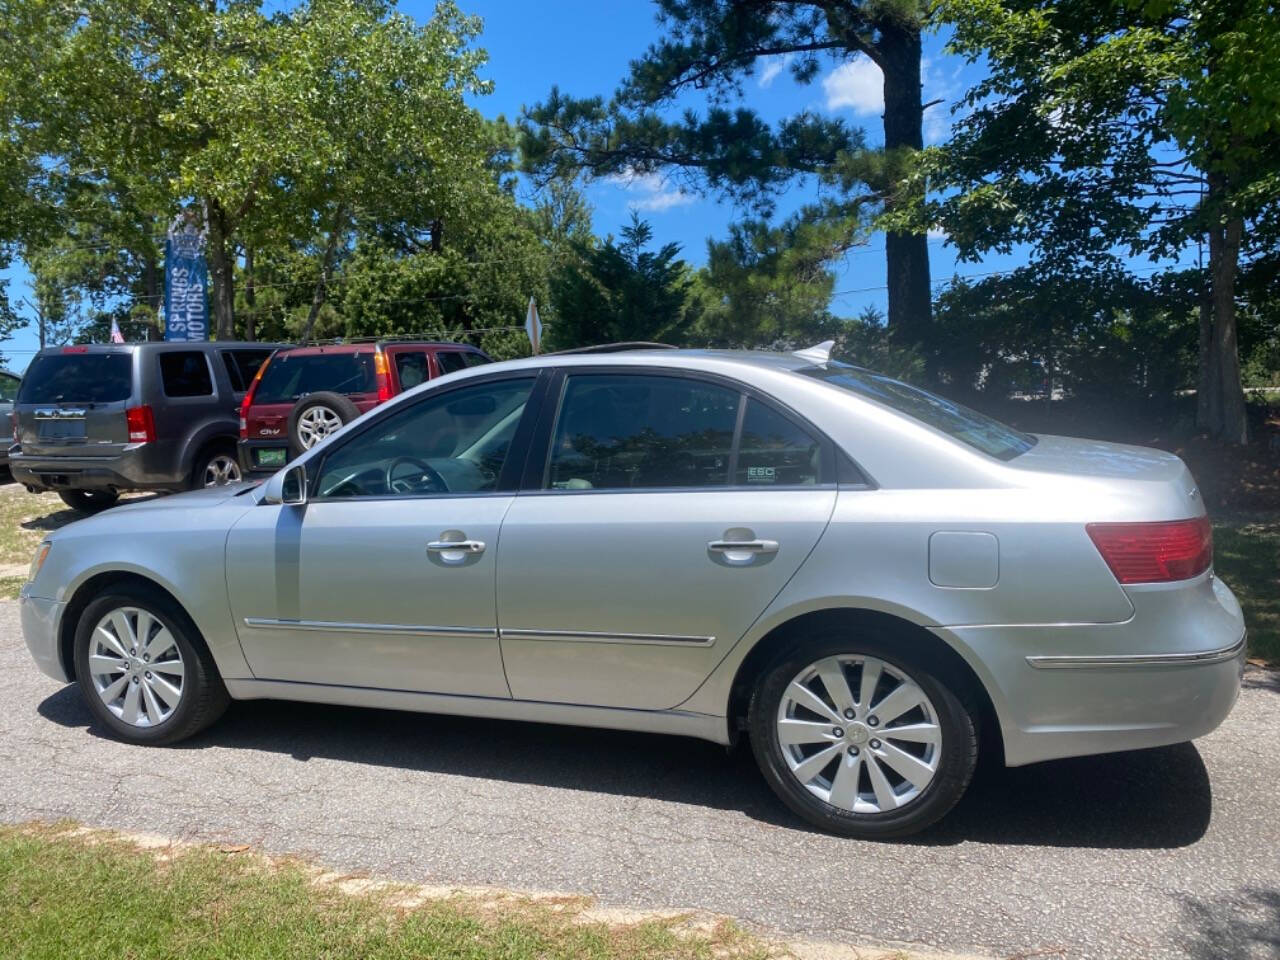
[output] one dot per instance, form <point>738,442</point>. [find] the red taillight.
<point>142,424</point>
<point>247,402</point>
<point>1155,552</point>
<point>383,372</point>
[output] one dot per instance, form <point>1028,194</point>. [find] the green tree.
<point>1106,124</point>
<point>280,127</point>
<point>621,290</point>
<point>710,46</point>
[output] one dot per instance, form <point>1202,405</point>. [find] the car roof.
<point>154,345</point>
<point>745,360</point>
<point>366,346</point>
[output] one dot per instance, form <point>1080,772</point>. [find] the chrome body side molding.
<point>1072,662</point>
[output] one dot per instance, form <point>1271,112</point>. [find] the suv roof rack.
<point>405,338</point>
<point>618,347</point>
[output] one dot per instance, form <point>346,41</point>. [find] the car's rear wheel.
<point>316,416</point>
<point>216,467</point>
<point>143,669</point>
<point>861,741</point>
<point>89,501</point>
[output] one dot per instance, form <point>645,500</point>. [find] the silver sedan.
<point>871,582</point>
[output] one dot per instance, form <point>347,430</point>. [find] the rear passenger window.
<point>242,366</point>
<point>774,452</point>
<point>411,368</point>
<point>623,432</point>
<point>475,359</point>
<point>185,374</point>
<point>450,361</point>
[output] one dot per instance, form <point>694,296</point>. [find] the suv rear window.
<point>78,378</point>
<point>291,375</point>
<point>242,365</point>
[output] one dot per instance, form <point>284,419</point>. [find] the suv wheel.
<point>316,416</point>
<point>89,501</point>
<point>216,468</point>
<point>859,740</point>
<point>143,669</point>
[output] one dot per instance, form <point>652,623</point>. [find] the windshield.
<point>290,375</point>
<point>78,378</point>
<point>968,426</point>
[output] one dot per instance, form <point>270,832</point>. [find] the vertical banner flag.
<point>533,327</point>
<point>116,335</point>
<point>186,281</point>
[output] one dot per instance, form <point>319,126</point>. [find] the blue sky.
<point>584,47</point>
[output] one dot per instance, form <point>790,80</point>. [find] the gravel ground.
<point>1162,853</point>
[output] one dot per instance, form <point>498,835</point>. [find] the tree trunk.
<point>906,254</point>
<point>1207,368</point>
<point>250,297</point>
<point>1231,422</point>
<point>221,271</point>
<point>326,265</point>
<point>153,292</point>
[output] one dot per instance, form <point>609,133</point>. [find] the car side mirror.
<point>289,486</point>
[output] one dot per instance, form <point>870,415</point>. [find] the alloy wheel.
<point>859,733</point>
<point>221,470</point>
<point>136,666</point>
<point>315,424</point>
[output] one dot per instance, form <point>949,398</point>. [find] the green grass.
<point>64,895</point>
<point>1246,554</point>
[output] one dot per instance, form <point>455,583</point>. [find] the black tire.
<point>89,501</point>
<point>343,408</point>
<point>957,718</point>
<point>212,456</point>
<point>203,697</point>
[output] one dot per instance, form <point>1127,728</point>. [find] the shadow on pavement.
<point>1242,925</point>
<point>1145,799</point>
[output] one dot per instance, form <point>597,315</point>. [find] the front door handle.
<point>456,546</point>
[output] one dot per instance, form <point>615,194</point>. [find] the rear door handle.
<point>456,546</point>
<point>748,546</point>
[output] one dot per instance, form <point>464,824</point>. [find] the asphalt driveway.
<point>1163,853</point>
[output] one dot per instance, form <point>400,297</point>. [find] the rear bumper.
<point>145,467</point>
<point>1169,674</point>
<point>41,620</point>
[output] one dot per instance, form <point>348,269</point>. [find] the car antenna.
<point>819,353</point>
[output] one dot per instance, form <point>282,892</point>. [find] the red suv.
<point>303,394</point>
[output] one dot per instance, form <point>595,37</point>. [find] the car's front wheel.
<point>89,501</point>
<point>143,668</point>
<point>860,740</point>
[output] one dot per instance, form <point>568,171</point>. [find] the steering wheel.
<point>429,479</point>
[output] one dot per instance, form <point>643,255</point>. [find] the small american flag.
<point>116,335</point>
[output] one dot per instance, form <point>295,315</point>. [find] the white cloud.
<point>651,191</point>
<point>771,70</point>
<point>937,233</point>
<point>857,84</point>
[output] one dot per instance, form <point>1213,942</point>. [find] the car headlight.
<point>42,553</point>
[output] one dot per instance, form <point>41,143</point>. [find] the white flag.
<point>533,326</point>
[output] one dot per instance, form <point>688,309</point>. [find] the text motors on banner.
<point>186,282</point>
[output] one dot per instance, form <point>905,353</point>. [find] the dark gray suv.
<point>91,421</point>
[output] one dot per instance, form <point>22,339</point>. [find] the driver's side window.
<point>452,442</point>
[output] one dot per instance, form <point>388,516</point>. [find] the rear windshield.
<point>78,378</point>
<point>968,426</point>
<point>290,375</point>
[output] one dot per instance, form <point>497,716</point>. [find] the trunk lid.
<point>72,402</point>
<point>1121,481</point>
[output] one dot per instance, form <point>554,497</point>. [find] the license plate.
<point>270,458</point>
<point>60,429</point>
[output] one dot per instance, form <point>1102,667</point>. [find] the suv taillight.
<point>383,372</point>
<point>247,402</point>
<point>1155,552</point>
<point>142,424</point>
